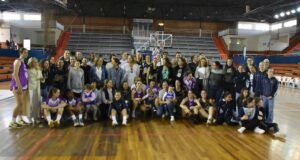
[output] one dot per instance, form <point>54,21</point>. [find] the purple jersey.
<point>23,76</point>
<point>169,96</point>
<point>190,103</point>
<point>73,102</point>
<point>138,94</point>
<point>53,102</point>
<point>89,96</point>
<point>154,93</point>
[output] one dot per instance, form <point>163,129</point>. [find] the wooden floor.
<point>155,139</point>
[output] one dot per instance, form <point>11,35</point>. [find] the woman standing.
<point>202,74</point>
<point>76,80</point>
<point>19,87</point>
<point>35,77</point>
<point>165,72</point>
<point>47,80</point>
<point>132,70</point>
<point>98,73</point>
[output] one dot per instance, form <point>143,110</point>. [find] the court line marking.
<point>28,154</point>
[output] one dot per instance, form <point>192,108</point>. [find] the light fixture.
<point>3,0</point>
<point>288,13</point>
<point>161,24</point>
<point>32,17</point>
<point>282,14</point>
<point>293,11</point>
<point>298,9</point>
<point>276,16</point>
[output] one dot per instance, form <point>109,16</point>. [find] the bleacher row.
<point>103,43</point>
<point>193,45</point>
<point>6,68</point>
<point>113,43</point>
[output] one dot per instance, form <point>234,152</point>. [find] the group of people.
<point>89,88</point>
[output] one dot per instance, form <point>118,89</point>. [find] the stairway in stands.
<point>100,43</point>
<point>192,45</point>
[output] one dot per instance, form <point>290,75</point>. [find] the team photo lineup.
<point>81,88</point>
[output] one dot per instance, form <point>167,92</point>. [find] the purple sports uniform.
<point>23,76</point>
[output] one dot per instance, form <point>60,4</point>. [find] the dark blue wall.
<point>39,54</point>
<point>272,59</point>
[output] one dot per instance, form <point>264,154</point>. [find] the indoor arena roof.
<point>211,10</point>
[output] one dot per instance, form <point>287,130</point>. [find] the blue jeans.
<point>269,108</point>
<point>165,107</point>
<point>215,92</point>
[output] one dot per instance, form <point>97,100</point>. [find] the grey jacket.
<point>117,77</point>
<point>76,79</point>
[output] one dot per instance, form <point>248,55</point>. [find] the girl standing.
<point>19,87</point>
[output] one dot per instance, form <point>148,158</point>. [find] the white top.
<point>34,76</point>
<point>202,73</point>
<point>99,72</point>
<point>131,73</point>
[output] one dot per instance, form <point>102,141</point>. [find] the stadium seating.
<point>103,43</point>
<point>6,68</point>
<point>192,45</point>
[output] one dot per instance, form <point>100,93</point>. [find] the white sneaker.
<point>76,123</point>
<point>114,123</point>
<point>259,131</point>
<point>81,123</point>
<point>172,119</point>
<point>163,116</point>
<point>209,121</point>
<point>279,135</point>
<point>124,123</point>
<point>241,130</point>
<point>133,114</point>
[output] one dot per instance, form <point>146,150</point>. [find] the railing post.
<point>83,28</point>
<point>200,32</point>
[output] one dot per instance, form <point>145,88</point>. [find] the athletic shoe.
<point>163,116</point>
<point>56,123</point>
<point>259,131</point>
<point>81,123</point>
<point>241,130</point>
<point>209,121</point>
<point>22,123</point>
<point>95,118</point>
<point>133,114</point>
<point>51,124</point>
<point>76,123</point>
<point>114,123</point>
<point>279,135</point>
<point>172,119</point>
<point>124,123</point>
<point>14,125</point>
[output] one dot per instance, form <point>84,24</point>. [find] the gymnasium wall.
<point>39,54</point>
<point>179,24</point>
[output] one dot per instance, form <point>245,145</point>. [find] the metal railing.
<point>88,28</point>
<point>191,32</point>
<point>234,31</point>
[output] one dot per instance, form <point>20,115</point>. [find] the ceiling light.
<point>3,0</point>
<point>293,11</point>
<point>288,13</point>
<point>298,9</point>
<point>282,14</point>
<point>161,24</point>
<point>276,16</point>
